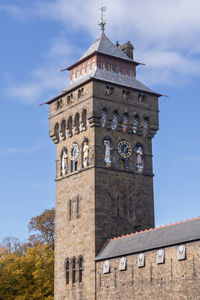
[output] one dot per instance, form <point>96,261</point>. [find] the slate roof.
<point>105,46</point>
<point>111,77</point>
<point>152,239</point>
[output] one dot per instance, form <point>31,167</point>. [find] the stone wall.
<point>172,280</point>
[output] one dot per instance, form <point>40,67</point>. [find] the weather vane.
<point>102,22</point>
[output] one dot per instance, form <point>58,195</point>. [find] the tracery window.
<point>125,122</point>
<point>114,120</point>
<point>74,154</point>
<point>80,266</point>
<point>145,126</point>
<point>103,118</point>
<point>67,270</point>
<point>135,124</point>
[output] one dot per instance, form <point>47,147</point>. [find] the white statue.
<point>108,150</point>
<point>67,133</point>
<point>64,162</point>
<point>139,158</point>
<point>85,154</point>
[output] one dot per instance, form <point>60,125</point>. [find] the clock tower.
<point>102,124</point>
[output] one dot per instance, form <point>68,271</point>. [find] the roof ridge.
<point>155,228</point>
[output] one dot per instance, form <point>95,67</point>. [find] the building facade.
<point>102,124</point>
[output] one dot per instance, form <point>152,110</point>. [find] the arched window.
<point>114,120</point>
<point>80,268</point>
<point>93,64</point>
<point>83,70</point>
<point>130,206</point>
<point>139,158</point>
<point>56,132</point>
<point>115,69</point>
<point>129,71</point>
<point>118,205</point>
<point>135,124</point>
<point>69,126</point>
<point>77,122</point>
<point>67,270</point>
<point>68,99</point>
<point>63,129</point>
<point>125,122</point>
<point>145,126</point>
<point>88,66</point>
<point>64,161</point>
<point>108,66</point>
<point>70,209</point>
<point>103,117</point>
<point>123,69</point>
<point>73,270</point>
<point>84,118</point>
<point>74,154</point>
<point>101,63</point>
<point>85,154</point>
<point>73,75</point>
<point>78,73</point>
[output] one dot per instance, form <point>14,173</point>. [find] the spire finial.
<point>102,22</point>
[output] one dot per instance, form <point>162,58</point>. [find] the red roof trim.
<point>151,229</point>
<point>101,54</point>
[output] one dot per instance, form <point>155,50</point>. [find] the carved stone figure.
<point>85,154</point>
<point>139,158</point>
<point>108,149</point>
<point>64,162</point>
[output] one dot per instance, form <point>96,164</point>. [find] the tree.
<point>44,225</point>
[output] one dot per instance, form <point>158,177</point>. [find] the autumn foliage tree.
<point>27,269</point>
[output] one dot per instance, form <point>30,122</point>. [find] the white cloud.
<point>165,35</point>
<point>46,78</point>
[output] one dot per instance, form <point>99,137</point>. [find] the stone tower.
<point>102,124</point>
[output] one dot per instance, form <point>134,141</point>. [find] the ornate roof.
<point>105,46</point>
<point>155,238</point>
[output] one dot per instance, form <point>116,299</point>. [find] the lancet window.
<point>56,132</point>
<point>103,118</point>
<point>84,118</point>
<point>69,127</point>
<point>80,266</point>
<point>67,270</point>
<point>77,122</point>
<point>74,270</point>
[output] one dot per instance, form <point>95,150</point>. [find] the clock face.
<point>74,152</point>
<point>124,149</point>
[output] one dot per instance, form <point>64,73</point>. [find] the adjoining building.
<point>103,124</point>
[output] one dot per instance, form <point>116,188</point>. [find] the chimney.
<point>127,48</point>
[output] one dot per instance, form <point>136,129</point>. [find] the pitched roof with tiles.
<point>105,46</point>
<point>164,236</point>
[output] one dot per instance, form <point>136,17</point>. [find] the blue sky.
<point>39,38</point>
